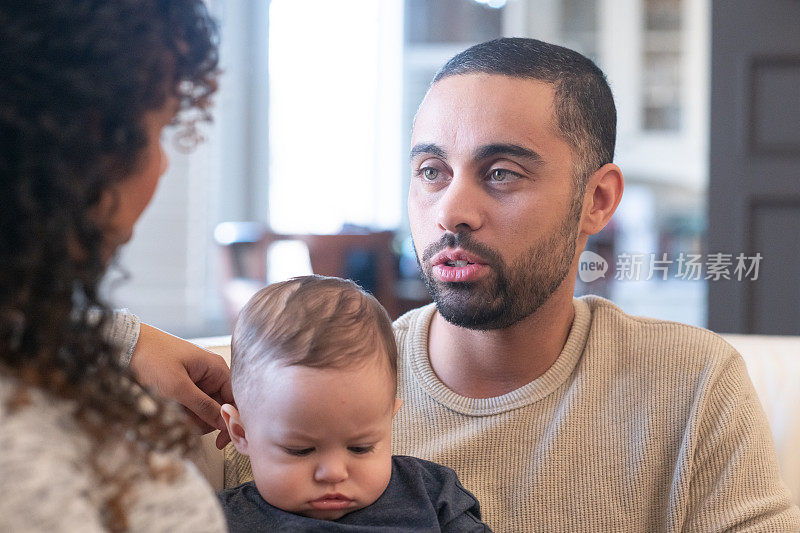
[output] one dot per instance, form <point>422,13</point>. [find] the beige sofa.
<point>773,363</point>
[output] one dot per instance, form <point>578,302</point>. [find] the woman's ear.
<point>603,194</point>
<point>235,427</point>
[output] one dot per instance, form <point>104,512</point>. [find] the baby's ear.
<point>398,402</point>
<point>235,427</point>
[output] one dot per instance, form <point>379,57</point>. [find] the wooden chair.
<point>367,259</point>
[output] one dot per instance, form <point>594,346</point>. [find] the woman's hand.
<point>178,370</point>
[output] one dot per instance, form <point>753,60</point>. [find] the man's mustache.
<point>464,241</point>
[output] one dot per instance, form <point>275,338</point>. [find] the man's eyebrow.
<point>513,150</point>
<point>430,149</point>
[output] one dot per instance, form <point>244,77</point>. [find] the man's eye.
<point>429,173</point>
<point>361,449</point>
<point>502,174</point>
<point>299,452</point>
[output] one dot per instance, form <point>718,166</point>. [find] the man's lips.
<point>445,257</point>
<point>331,501</point>
<point>457,265</point>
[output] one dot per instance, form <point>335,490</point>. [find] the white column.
<point>543,20</point>
<point>389,161</point>
<point>620,57</point>
<point>696,65</point>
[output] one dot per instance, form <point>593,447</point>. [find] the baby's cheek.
<point>264,476</point>
<point>376,475</point>
<point>279,484</point>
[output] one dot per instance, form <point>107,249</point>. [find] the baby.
<point>314,374</point>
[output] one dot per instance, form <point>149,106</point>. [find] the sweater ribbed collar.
<point>422,372</point>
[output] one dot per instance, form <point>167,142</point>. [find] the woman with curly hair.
<point>87,87</point>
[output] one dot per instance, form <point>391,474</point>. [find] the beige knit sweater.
<point>640,425</point>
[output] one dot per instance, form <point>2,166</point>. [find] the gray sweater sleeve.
<point>465,523</point>
<point>123,330</point>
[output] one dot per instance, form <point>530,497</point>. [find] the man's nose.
<point>459,208</point>
<point>331,469</point>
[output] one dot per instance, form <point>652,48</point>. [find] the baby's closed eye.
<point>361,449</point>
<point>298,451</point>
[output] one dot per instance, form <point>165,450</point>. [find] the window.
<point>334,115</point>
<point>661,56</point>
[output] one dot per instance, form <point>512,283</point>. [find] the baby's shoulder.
<point>436,478</point>
<point>453,505</point>
<point>420,467</point>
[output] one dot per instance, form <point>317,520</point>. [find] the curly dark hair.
<point>79,76</point>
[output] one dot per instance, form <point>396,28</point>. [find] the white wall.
<point>172,259</point>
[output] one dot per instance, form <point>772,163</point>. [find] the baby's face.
<point>319,440</point>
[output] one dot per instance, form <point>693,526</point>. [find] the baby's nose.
<point>331,470</point>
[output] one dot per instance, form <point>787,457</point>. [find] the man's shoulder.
<point>615,331</point>
<point>411,330</point>
<point>407,320</point>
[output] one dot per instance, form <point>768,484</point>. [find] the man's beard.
<point>508,294</point>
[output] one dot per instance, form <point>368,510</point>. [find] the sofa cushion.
<point>773,363</point>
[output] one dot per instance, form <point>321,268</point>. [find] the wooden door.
<point>754,181</point>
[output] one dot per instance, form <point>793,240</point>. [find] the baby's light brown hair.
<point>313,321</point>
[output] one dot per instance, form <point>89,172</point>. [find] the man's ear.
<point>397,403</point>
<point>235,427</point>
<point>603,194</point>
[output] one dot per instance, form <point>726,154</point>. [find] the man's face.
<point>492,206</point>
<point>319,440</point>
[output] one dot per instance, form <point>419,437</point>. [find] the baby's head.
<point>314,374</point>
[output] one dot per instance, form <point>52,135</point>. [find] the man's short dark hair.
<point>584,106</point>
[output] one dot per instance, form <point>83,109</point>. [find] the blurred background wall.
<point>312,130</point>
